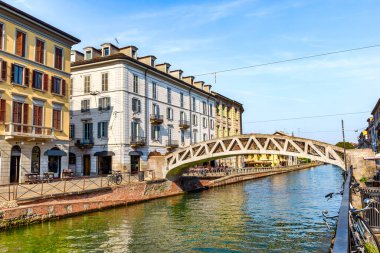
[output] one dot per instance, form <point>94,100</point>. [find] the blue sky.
<point>206,36</point>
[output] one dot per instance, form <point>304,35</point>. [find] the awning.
<point>104,153</point>
<point>54,152</point>
<point>134,152</point>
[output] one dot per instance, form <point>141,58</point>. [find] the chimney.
<point>177,73</point>
<point>164,67</point>
<point>130,51</point>
<point>188,79</point>
<point>76,56</point>
<point>207,88</point>
<point>199,84</point>
<point>149,60</point>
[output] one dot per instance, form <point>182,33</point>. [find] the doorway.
<point>15,164</point>
<point>135,164</point>
<point>86,165</point>
<point>104,165</point>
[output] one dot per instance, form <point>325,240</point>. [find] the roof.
<point>376,106</point>
<point>228,99</point>
<point>39,22</point>
<point>121,56</point>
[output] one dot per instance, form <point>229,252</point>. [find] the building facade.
<point>374,128</point>
<point>125,110</point>
<point>34,101</point>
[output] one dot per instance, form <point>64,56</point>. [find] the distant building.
<point>34,99</point>
<point>374,127</point>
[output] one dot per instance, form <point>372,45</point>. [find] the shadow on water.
<point>281,213</point>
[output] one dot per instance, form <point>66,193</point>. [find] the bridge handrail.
<point>342,236</point>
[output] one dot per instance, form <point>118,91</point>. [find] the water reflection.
<point>274,214</point>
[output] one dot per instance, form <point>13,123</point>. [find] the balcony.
<point>21,131</point>
<point>84,143</point>
<point>172,144</point>
<point>156,119</point>
<point>184,124</point>
<point>137,141</point>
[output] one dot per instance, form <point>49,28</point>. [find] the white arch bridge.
<point>249,144</point>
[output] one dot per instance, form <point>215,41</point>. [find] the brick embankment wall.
<point>74,204</point>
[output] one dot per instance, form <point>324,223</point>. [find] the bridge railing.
<point>342,236</point>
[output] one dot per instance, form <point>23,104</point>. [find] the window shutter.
<point>108,103</point>
<point>99,126</point>
<point>63,87</point>
<point>59,120</point>
<point>25,119</point>
<point>106,129</point>
<point>4,70</point>
<point>2,110</point>
<point>82,106</point>
<point>52,85</point>
<point>152,132</point>
<point>12,73</point>
<point>73,131</point>
<point>46,82</point>
<point>100,104</point>
<point>134,105</point>
<point>27,77</point>
<point>138,106</point>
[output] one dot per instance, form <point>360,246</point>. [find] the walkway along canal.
<point>281,213</point>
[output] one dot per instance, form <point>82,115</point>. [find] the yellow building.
<point>228,123</point>
<point>34,99</point>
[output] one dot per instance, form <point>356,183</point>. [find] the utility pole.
<point>344,148</point>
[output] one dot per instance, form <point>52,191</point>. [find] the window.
<point>211,110</point>
<point>182,116</point>
<point>170,130</point>
<point>135,131</point>
<point>136,105</point>
<point>40,51</point>
<point>85,105</point>
<point>56,85</point>
<point>57,119</point>
<point>195,120</point>
<point>181,99</point>
<point>169,95</point>
<point>217,110</point>
<point>37,80</point>
<point>135,84</point>
<point>17,115</point>
<point>20,43</point>
<point>1,36</point>
<point>87,132</point>
<point>2,110</point>
<point>212,124</point>
<point>204,122</point>
<point>154,90</point>
<point>194,105</point>
<point>106,51</point>
<point>195,136</point>
<point>103,129</point>
<point>204,108</point>
<point>71,86</point>
<point>36,154</point>
<point>17,74</point>
<point>72,131</point>
<point>72,158</point>
<point>37,118</point>
<point>58,58</point>
<point>155,133</point>
<point>105,82</point>
<point>182,136</point>
<point>156,109</point>
<point>88,55</point>
<point>169,113</point>
<point>212,137</point>
<point>4,69</point>
<point>87,84</point>
<point>104,104</point>
<point>204,137</point>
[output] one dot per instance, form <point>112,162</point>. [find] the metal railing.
<point>16,129</point>
<point>184,124</point>
<point>156,118</point>
<point>342,236</point>
<point>371,215</point>
<point>172,143</point>
<point>138,141</point>
<point>84,143</point>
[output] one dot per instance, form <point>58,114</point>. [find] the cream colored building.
<point>34,99</point>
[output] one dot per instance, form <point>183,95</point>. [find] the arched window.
<point>36,155</point>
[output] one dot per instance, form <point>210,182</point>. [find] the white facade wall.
<point>120,91</point>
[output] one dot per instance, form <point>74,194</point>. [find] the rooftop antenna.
<point>117,41</point>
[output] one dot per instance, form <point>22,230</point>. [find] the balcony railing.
<point>156,119</point>
<point>84,143</point>
<point>138,141</point>
<point>172,143</point>
<point>185,124</point>
<point>12,130</point>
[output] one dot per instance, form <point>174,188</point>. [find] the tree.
<point>348,145</point>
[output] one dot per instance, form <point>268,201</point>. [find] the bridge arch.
<point>250,144</point>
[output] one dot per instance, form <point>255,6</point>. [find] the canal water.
<point>281,213</point>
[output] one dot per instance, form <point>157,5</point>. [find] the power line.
<point>306,117</point>
<point>289,60</point>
